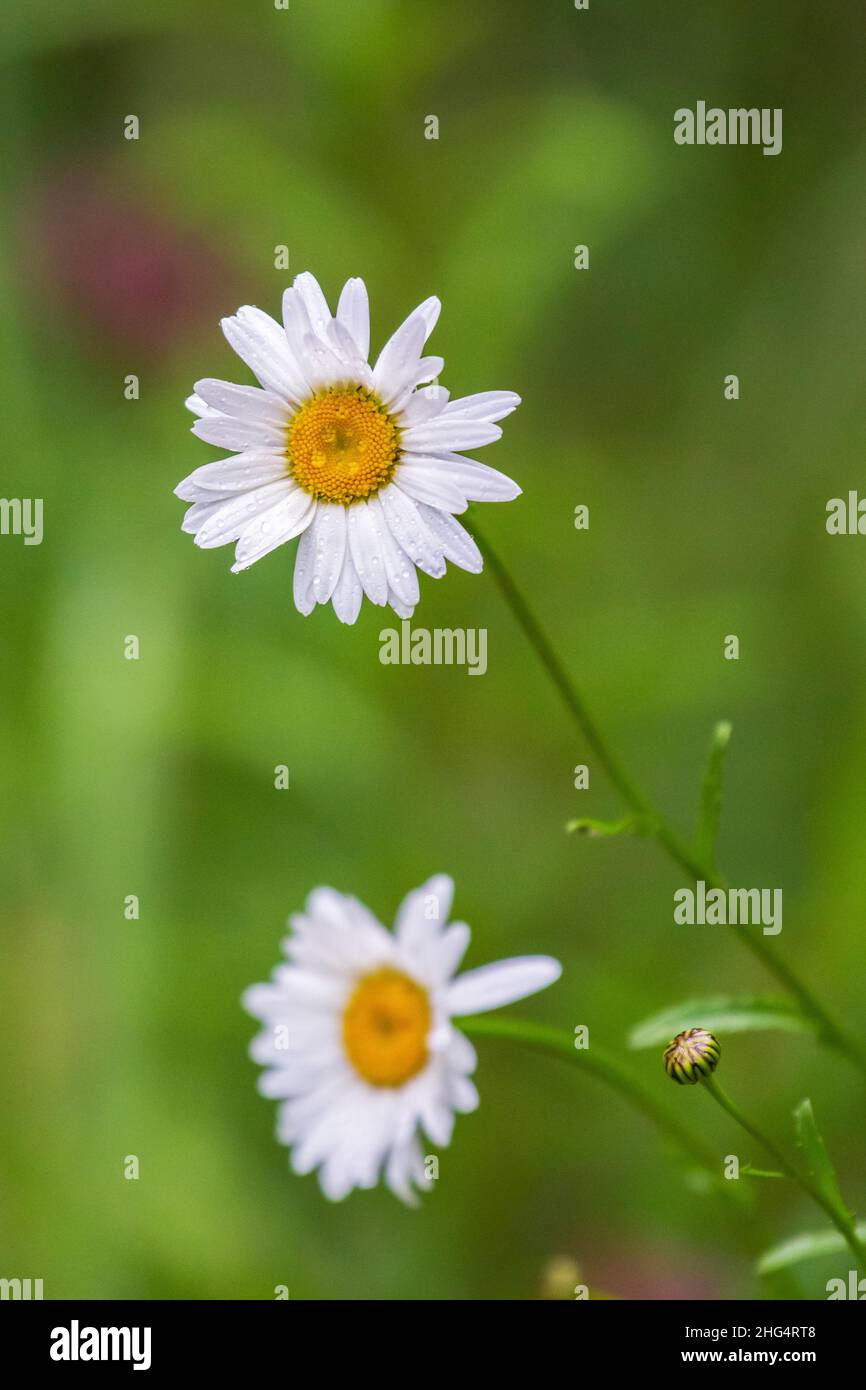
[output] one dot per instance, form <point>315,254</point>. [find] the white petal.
<point>397,365</point>
<point>327,906</point>
<point>438,1119</point>
<point>320,1139</point>
<point>332,1088</point>
<point>243,402</point>
<point>266,1001</point>
<point>450,950</point>
<point>239,473</point>
<point>459,547</point>
<point>428,482</point>
<point>227,433</point>
<point>347,923</point>
<point>335,1178</point>
<point>190,491</point>
<point>198,514</point>
<point>422,405</point>
<point>477,481</point>
<point>403,610</point>
<point>364,545</point>
<point>460,1052</point>
<point>428,369</point>
<point>443,433</point>
<point>199,407</point>
<point>236,512</point>
<point>307,988</point>
<point>485,405</point>
<point>323,367</point>
<point>491,986</point>
<point>463,1094</point>
<point>297,1044</point>
<point>342,344</point>
<point>348,594</point>
<point>259,341</point>
<point>423,913</point>
<point>329,548</point>
<point>409,531</point>
<point>325,951</point>
<point>400,572</point>
<point>302,583</point>
<point>402,1167</point>
<point>296,1075</point>
<point>290,516</point>
<point>430,311</point>
<point>297,326</point>
<point>353,311</point>
<point>314,301</point>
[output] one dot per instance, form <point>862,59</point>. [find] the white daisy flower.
<point>363,463</point>
<point>359,1039</point>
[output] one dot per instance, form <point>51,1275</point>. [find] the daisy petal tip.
<point>501,983</point>
<point>248,999</point>
<point>431,309</point>
<point>333,1190</point>
<point>406,1195</point>
<point>548,969</point>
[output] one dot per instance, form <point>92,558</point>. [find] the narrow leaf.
<point>814,1150</point>
<point>812,1245</point>
<point>723,1012</point>
<point>710,806</point>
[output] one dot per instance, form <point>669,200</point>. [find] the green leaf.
<point>585,825</point>
<point>814,1150</point>
<point>710,807</point>
<point>812,1245</point>
<point>727,1013</point>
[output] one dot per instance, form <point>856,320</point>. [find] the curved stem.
<point>845,1227</point>
<point>653,820</point>
<point>598,1062</point>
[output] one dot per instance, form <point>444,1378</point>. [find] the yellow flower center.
<point>342,445</point>
<point>385,1028</point>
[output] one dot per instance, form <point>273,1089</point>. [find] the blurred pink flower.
<point>123,266</point>
<point>655,1274</point>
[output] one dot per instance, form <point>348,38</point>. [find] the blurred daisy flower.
<point>363,463</point>
<point>359,1041</point>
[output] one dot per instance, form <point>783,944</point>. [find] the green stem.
<point>653,820</point>
<point>841,1221</point>
<point>598,1062</point>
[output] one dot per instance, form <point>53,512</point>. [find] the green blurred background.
<point>306,128</point>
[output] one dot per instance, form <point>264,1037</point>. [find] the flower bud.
<point>691,1055</point>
